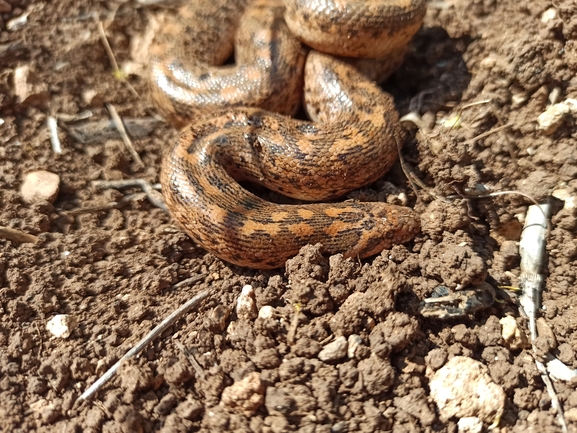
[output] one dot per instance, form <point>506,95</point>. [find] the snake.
<point>236,125</point>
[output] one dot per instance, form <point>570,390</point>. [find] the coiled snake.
<point>351,140</point>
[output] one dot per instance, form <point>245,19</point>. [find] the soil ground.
<point>115,270</point>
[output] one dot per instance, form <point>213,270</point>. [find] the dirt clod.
<point>246,395</point>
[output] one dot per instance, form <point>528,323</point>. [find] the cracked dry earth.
<point>339,345</point>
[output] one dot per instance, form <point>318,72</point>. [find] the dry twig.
<point>105,129</point>
<point>53,131</point>
<point>122,131</point>
<point>151,336</point>
<point>489,132</point>
<point>116,70</point>
<point>107,206</point>
<point>150,190</point>
<point>190,356</point>
<point>17,236</point>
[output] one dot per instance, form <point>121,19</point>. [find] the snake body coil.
<point>187,79</point>
<point>352,141</point>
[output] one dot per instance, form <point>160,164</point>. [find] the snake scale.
<point>236,125</point>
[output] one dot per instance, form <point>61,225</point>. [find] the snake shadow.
<point>434,75</point>
<point>432,79</point>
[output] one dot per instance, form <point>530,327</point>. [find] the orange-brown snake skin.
<point>351,140</point>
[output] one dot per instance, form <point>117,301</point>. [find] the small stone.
<point>488,62</point>
<point>565,195</point>
<point>560,372</point>
<point>218,317</point>
<point>89,95</point>
<point>39,186</point>
<point>549,15</point>
<point>463,388</point>
<point>552,117</point>
<point>28,86</point>
<point>18,22</point>
<point>545,331</point>
<point>266,312</point>
<point>514,337</point>
<point>334,351</point>
<point>244,396</point>
<point>518,99</point>
<point>354,342</point>
<point>61,325</point>
<point>246,304</point>
<point>470,425</point>
<point>340,427</point>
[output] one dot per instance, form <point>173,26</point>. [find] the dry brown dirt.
<point>115,269</point>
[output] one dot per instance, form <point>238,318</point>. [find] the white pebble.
<point>560,371</point>
<point>266,312</point>
<point>354,342</point>
<point>18,22</point>
<point>549,15</point>
<point>515,338</point>
<point>470,425</point>
<point>334,351</point>
<point>463,388</point>
<point>246,304</point>
<point>61,325</point>
<point>552,117</point>
<point>39,186</point>
<point>565,195</point>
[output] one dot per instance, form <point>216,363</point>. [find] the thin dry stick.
<point>412,178</point>
<point>63,117</point>
<point>93,209</point>
<point>466,106</point>
<point>190,356</point>
<point>107,206</point>
<point>490,132</point>
<point>116,70</point>
<point>472,104</point>
<point>166,323</point>
<point>150,190</point>
<point>122,131</point>
<point>53,131</point>
<point>17,236</point>
<point>125,183</point>
<point>295,321</point>
<point>188,281</point>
